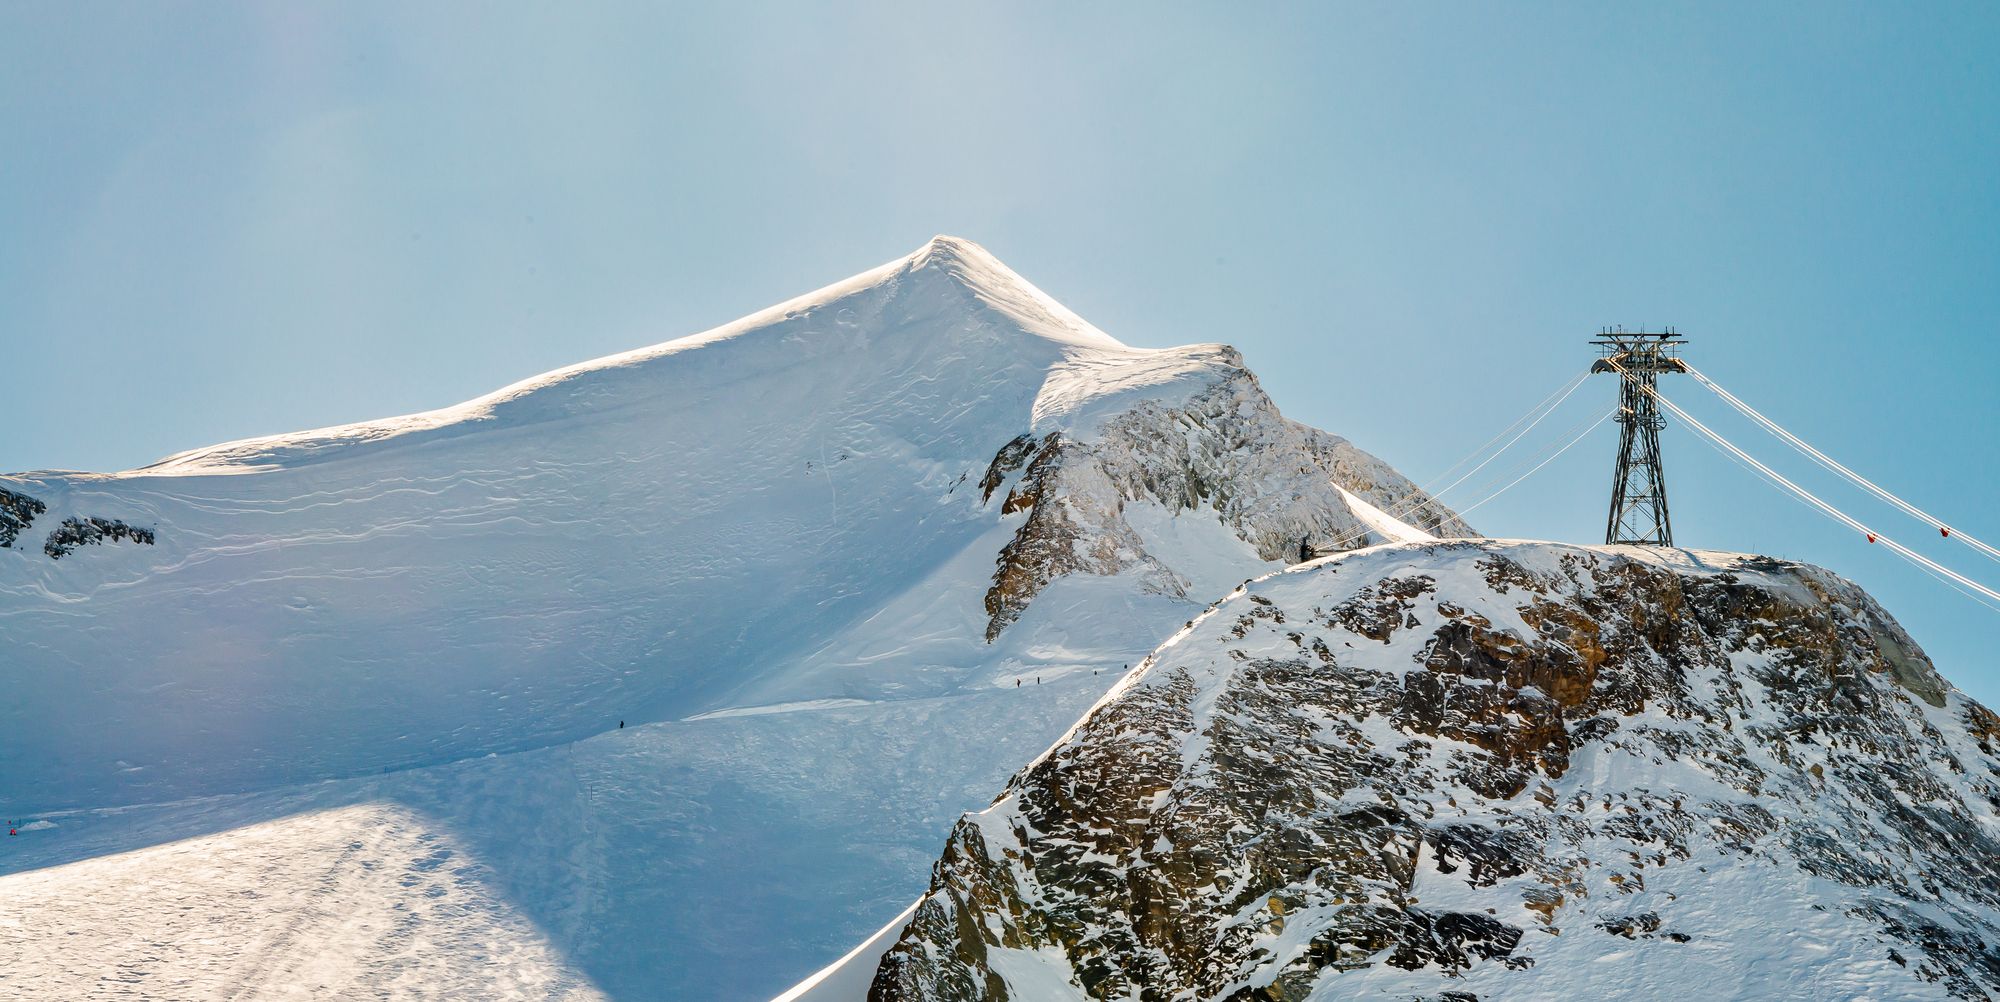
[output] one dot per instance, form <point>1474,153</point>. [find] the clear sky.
<point>227,220</point>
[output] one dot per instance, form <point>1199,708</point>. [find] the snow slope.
<point>1491,770</point>
<point>717,858</point>
<point>840,565</point>
<point>279,909</point>
<point>1384,525</point>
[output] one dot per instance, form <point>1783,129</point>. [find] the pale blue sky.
<point>227,220</point>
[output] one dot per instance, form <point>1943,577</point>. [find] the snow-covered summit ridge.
<point>1000,288</point>
<point>996,306</point>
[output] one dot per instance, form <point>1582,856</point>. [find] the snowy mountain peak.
<point>666,531</point>
<point>968,264</point>
<point>1001,289</point>
<point>950,299</point>
<point>945,250</point>
<point>839,564</point>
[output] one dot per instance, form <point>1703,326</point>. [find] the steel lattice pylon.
<point>1639,486</point>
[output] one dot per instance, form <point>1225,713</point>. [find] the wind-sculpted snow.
<point>793,517</point>
<point>1494,771</point>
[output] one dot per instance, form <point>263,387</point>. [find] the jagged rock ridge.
<point>1499,771</point>
<point>1226,448</point>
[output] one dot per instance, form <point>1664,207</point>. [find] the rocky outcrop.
<point>1485,770</point>
<point>1074,524</point>
<point>91,531</point>
<point>17,512</point>
<point>1224,449</point>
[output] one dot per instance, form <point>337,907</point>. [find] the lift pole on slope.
<point>1639,486</point>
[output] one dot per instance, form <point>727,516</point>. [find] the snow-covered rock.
<point>841,565</point>
<point>1491,770</point>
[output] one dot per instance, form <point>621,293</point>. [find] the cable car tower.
<point>1639,487</point>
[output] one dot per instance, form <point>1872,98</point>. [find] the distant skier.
<point>1305,549</point>
<point>621,725</point>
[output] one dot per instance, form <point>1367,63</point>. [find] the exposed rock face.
<point>1494,770</point>
<point>1225,448</point>
<point>91,531</point>
<point>17,512</point>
